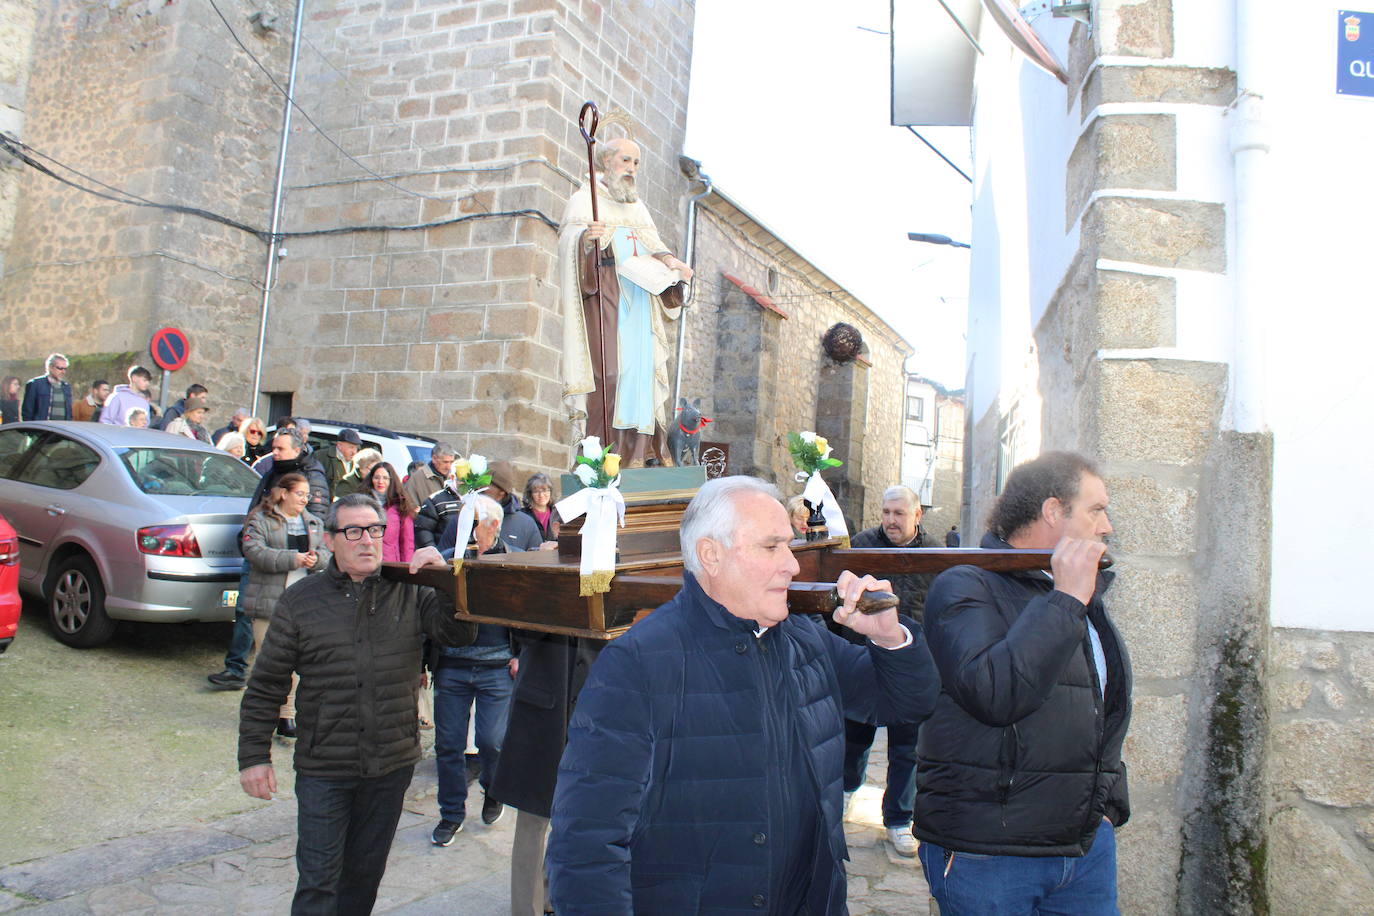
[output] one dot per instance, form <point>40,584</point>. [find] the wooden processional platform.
<point>538,590</point>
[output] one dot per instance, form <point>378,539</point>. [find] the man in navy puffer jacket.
<point>703,767</point>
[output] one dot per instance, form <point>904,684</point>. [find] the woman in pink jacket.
<point>399,541</point>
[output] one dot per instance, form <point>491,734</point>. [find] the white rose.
<point>478,464</point>
<point>807,437</point>
<point>591,447</point>
<point>585,473</point>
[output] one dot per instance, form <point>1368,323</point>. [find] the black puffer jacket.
<point>910,587</point>
<point>356,647</point>
<point>1022,756</point>
<point>273,470</point>
<point>434,517</point>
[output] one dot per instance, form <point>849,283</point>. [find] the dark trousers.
<point>900,794</point>
<point>344,829</point>
<point>241,640</point>
<point>456,687</point>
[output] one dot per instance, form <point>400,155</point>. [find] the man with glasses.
<point>48,396</point>
<point>355,641</point>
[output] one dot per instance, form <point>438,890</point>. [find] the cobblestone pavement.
<point>244,864</point>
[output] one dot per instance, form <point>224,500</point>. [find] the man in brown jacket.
<point>355,641</point>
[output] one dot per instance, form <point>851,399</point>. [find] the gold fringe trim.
<point>457,566</point>
<point>599,582</point>
<point>844,542</point>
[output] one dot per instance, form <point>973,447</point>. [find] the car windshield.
<point>174,472</point>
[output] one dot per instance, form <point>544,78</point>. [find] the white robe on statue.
<point>631,226</point>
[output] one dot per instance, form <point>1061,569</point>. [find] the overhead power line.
<point>304,114</point>
<point>22,151</point>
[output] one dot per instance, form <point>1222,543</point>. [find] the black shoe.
<point>286,728</point>
<point>491,810</point>
<point>227,680</point>
<point>443,834</point>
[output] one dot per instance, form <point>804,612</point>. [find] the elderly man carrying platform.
<point>702,772</point>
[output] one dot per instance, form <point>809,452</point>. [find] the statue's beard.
<point>621,189</point>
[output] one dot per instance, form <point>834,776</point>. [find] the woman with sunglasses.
<point>255,443</point>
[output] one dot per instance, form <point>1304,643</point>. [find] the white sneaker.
<point>903,843</point>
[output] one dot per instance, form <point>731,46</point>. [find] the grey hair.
<point>443,450</point>
<point>303,425</point>
<point>231,439</point>
<point>294,434</point>
<point>606,148</point>
<point>487,509</point>
<point>353,501</point>
<point>904,493</point>
<point>47,364</point>
<point>712,514</point>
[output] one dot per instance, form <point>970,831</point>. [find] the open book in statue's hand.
<point>648,273</point>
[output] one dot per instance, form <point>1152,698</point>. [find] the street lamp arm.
<point>933,239</point>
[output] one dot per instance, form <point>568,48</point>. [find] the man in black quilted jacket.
<point>1020,784</point>
<point>355,640</point>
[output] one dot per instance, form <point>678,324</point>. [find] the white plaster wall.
<point>1320,323</point>
<point>1312,299</point>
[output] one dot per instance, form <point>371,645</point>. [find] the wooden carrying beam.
<point>538,590</point>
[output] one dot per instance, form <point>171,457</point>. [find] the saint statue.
<point>620,285</point>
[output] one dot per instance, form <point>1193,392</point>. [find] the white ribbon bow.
<point>466,518</point>
<point>605,511</point>
<point>817,491</point>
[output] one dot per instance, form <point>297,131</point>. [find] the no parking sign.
<point>170,349</point>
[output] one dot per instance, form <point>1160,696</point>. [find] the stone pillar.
<point>841,413</point>
<point>1190,499</point>
<point>745,382</point>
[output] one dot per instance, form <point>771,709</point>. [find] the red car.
<point>9,584</point>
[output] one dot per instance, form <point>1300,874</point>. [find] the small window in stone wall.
<point>916,409</point>
<point>278,405</point>
<point>774,281</point>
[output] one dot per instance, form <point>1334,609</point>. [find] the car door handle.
<point>55,509</point>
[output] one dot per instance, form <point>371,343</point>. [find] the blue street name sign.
<point>1354,53</point>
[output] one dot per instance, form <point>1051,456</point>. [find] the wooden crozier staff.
<point>589,134</point>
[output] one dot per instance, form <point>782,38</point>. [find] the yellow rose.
<point>821,444</point>
<point>461,469</point>
<point>611,465</point>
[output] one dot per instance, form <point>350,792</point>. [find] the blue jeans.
<point>976,885</point>
<point>344,829</point>
<point>455,689</point>
<point>900,794</point>
<point>241,641</point>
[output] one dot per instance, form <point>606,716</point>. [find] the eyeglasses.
<point>355,532</point>
<point>60,368</point>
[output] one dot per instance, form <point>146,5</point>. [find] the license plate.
<point>230,598</point>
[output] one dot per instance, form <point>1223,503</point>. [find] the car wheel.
<point>76,605</point>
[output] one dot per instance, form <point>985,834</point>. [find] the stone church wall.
<point>468,109</point>
<point>146,97</point>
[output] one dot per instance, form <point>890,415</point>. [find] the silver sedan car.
<point>123,524</point>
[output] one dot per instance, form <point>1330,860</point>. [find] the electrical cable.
<point>306,115</point>
<point>940,154</point>
<point>17,149</point>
